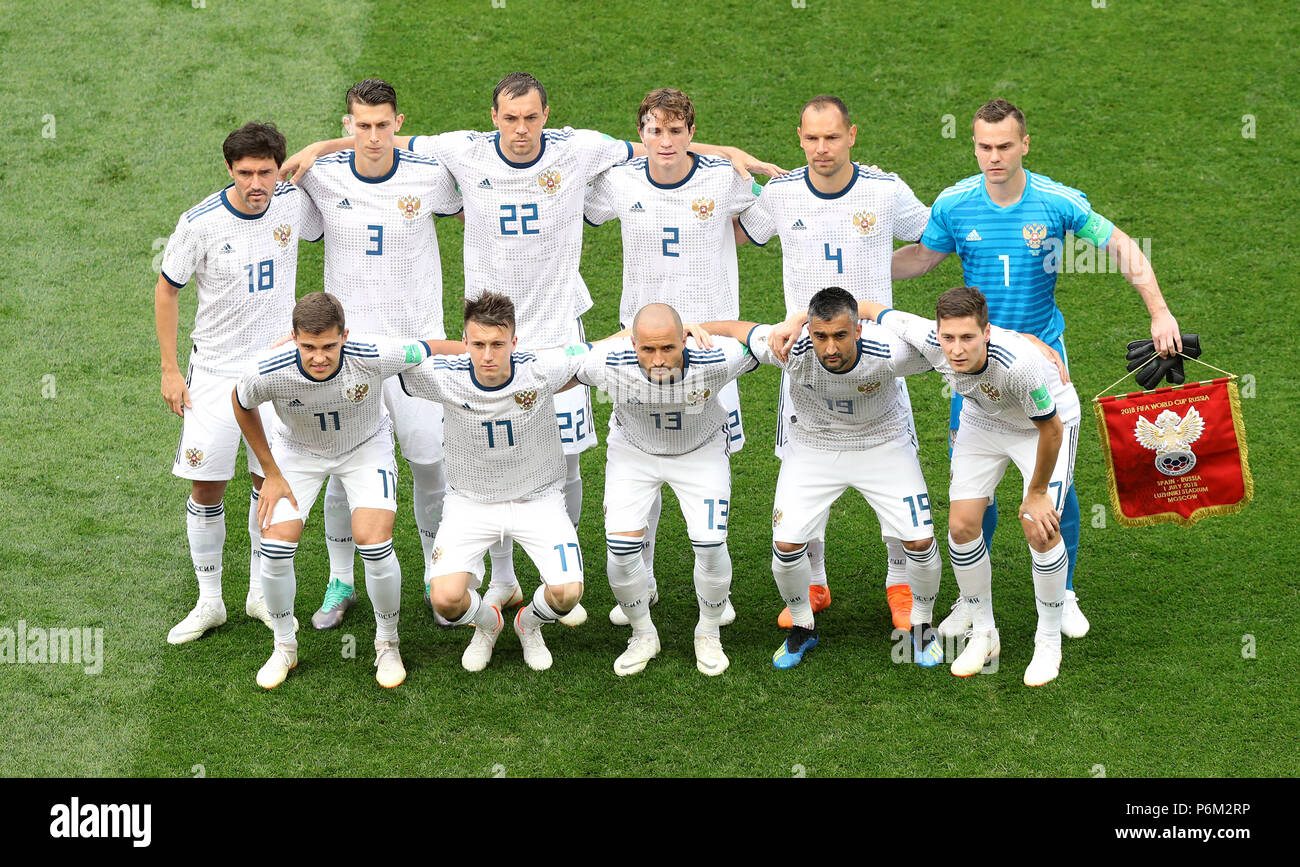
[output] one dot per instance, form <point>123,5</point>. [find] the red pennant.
<point>1175,454</point>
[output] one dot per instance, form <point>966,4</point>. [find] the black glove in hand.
<point>1170,369</point>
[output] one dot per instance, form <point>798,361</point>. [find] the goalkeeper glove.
<point>1140,352</point>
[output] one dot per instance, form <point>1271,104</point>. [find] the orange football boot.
<point>820,597</point>
<point>900,605</point>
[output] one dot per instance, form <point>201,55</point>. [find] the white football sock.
<point>538,612</point>
<point>896,572</point>
<point>974,573</point>
<point>502,554</point>
<point>573,488</point>
<point>648,553</point>
<point>712,585</point>
<point>478,614</point>
<point>924,569</point>
<point>627,580</point>
<point>279,586</point>
<point>817,562</point>
<point>338,532</point>
<point>1050,570</point>
<point>206,527</point>
<point>254,548</point>
<point>430,489</point>
<point>792,579</point>
<point>383,586</point>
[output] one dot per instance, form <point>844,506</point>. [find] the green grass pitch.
<point>1178,121</point>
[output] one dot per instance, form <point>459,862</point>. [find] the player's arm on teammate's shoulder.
<point>445,347</point>
<point>1136,268</point>
<point>166,315</point>
<point>1037,516</point>
<point>297,165</point>
<point>274,486</point>
<point>703,338</point>
<point>1051,355</point>
<point>735,329</point>
<point>741,161</point>
<point>913,260</point>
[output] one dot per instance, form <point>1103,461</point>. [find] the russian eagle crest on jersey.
<point>381,246</point>
<point>1016,386</point>
<point>842,239</point>
<point>669,418</point>
<point>1006,251</point>
<point>678,245</point>
<point>329,417</point>
<point>851,410</point>
<point>245,271</point>
<point>502,443</point>
<point>523,221</point>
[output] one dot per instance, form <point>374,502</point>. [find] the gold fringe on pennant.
<point>1248,481</point>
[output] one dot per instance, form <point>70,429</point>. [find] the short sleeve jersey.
<point>1016,386</point>
<point>1013,254</point>
<point>381,247</point>
<point>673,418</point>
<point>501,441</point>
<point>841,239</point>
<point>678,244</point>
<point>245,269</point>
<point>331,417</point>
<point>523,221</point>
<point>850,410</point>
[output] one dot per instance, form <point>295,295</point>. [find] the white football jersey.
<point>845,239</point>
<point>523,221</point>
<point>669,419</point>
<point>678,244</point>
<point>381,246</point>
<point>1016,386</point>
<point>852,410</point>
<point>502,443</point>
<point>330,417</point>
<point>245,269</point>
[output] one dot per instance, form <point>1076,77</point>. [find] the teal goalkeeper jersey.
<point>1013,254</point>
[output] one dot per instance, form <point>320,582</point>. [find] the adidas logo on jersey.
<point>296,402</point>
<point>485,184</point>
<point>637,209</point>
<point>227,249</point>
<point>974,236</point>
<point>798,224</point>
<point>345,204</point>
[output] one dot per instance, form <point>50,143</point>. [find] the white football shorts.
<point>888,476</point>
<point>368,475</point>
<point>210,436</point>
<point>701,480</point>
<point>980,458</point>
<point>542,526</point>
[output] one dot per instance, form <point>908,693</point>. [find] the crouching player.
<point>1015,409</point>
<point>505,477</point>
<point>327,391</point>
<point>668,425</point>
<point>850,429</point>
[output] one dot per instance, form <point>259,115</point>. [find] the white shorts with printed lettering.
<point>980,458</point>
<point>888,476</point>
<point>368,475</point>
<point>573,413</point>
<point>542,526</point>
<point>701,480</point>
<point>210,436</point>
<point>417,423</point>
<point>785,411</point>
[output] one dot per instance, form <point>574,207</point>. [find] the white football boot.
<point>283,659</point>
<point>479,652</point>
<point>981,648</point>
<point>389,670</point>
<point>1073,623</point>
<point>641,648</point>
<point>709,658</point>
<point>204,616</point>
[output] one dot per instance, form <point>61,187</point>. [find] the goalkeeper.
<point>1006,223</point>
